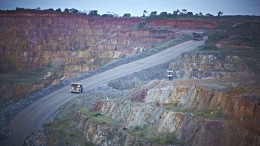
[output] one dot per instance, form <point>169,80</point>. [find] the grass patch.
<point>165,139</point>
<point>95,116</point>
<point>162,139</point>
<point>208,114</point>
<point>245,41</point>
<point>246,47</point>
<point>61,130</point>
<point>64,134</point>
<point>2,109</point>
<point>169,106</point>
<point>21,76</point>
<point>213,37</point>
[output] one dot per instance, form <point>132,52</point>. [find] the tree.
<point>66,10</point>
<point>220,13</point>
<point>107,15</point>
<point>163,15</point>
<point>93,13</point>
<point>175,13</point>
<point>19,9</point>
<point>58,10</point>
<point>200,14</point>
<point>144,13</point>
<point>73,10</point>
<point>209,15</point>
<point>50,9</point>
<point>127,15</point>
<point>184,11</point>
<point>153,14</point>
<point>190,14</point>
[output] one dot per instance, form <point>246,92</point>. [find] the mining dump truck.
<point>76,88</point>
<point>197,36</point>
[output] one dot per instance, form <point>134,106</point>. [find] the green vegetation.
<point>213,37</point>
<point>161,139</point>
<point>184,13</point>
<point>65,135</point>
<point>21,76</point>
<point>61,129</point>
<point>247,41</point>
<point>28,76</point>
<point>95,117</point>
<point>208,114</point>
<point>2,109</point>
<point>239,39</point>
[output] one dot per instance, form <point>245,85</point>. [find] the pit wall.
<point>195,115</point>
<point>32,40</point>
<point>199,66</point>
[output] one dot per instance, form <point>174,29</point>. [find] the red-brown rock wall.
<point>25,36</point>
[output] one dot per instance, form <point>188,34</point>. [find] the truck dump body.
<point>76,88</point>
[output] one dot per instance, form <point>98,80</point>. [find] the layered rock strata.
<point>199,66</point>
<point>195,115</point>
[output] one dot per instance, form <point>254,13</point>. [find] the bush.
<point>216,36</point>
<point>162,139</point>
<point>95,116</point>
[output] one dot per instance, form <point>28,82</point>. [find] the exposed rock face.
<point>31,40</point>
<point>200,66</point>
<point>197,115</point>
<point>71,42</point>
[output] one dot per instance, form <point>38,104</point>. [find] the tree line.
<point>178,13</point>
<point>153,15</point>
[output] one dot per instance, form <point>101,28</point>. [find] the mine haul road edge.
<point>32,117</point>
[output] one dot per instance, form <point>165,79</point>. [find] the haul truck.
<point>76,88</point>
<point>197,36</point>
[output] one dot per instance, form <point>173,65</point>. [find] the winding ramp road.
<point>32,117</point>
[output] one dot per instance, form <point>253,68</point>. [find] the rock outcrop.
<point>195,115</point>
<point>199,66</point>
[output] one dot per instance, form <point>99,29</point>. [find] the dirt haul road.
<point>33,116</point>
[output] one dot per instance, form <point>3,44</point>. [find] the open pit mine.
<point>213,98</point>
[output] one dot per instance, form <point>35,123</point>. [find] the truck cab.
<point>76,88</point>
